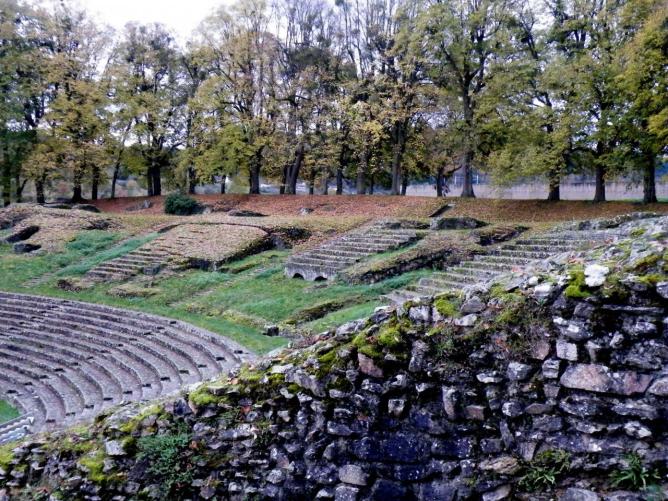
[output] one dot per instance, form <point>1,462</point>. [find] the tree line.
<point>377,92</point>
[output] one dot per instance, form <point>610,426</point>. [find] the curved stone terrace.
<point>65,361</point>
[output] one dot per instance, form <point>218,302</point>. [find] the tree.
<point>243,56</point>
<point>459,41</point>
<point>23,91</point>
<point>73,121</point>
<point>147,67</point>
<point>643,100</point>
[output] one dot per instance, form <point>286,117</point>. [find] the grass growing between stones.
<point>7,412</point>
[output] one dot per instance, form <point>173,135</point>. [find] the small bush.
<point>180,205</point>
<point>168,461</point>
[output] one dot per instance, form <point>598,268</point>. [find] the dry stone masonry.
<point>330,258</point>
<point>64,361</point>
<point>540,387</point>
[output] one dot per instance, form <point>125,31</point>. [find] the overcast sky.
<point>181,16</point>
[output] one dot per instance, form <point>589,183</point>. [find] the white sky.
<point>181,16</point>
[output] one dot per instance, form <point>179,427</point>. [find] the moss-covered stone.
<point>577,287</point>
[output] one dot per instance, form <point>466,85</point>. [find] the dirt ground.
<point>373,206</point>
<point>379,206</point>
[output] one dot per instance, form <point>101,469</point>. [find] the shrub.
<point>168,461</point>
<point>180,204</point>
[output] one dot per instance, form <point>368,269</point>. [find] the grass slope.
<point>7,412</point>
<point>237,302</point>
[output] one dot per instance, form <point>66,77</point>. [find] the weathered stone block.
<point>353,474</point>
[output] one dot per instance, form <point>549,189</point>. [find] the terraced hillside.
<point>64,361</point>
<point>196,245</point>
<point>328,259</point>
<point>502,258</point>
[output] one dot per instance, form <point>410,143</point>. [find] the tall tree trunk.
<point>223,182</point>
<point>254,174</point>
<point>325,184</point>
<point>149,181</point>
<point>343,155</point>
<point>157,181</point>
<point>39,190</point>
<point>293,171</point>
<point>404,185</point>
<point>117,161</point>
<point>95,182</point>
<point>439,182</point>
<point>192,180</point>
<point>76,193</point>
<point>469,153</point>
<point>372,183</point>
<point>114,178</point>
<point>6,176</point>
<point>284,180</point>
<point>19,188</point>
<point>361,174</point>
<point>599,194</point>
<point>554,182</point>
<point>649,181</point>
<point>397,155</point>
<point>467,172</point>
<point>339,180</point>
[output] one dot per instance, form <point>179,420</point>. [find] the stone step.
<point>111,381</point>
<point>354,246</point>
<point>401,296</point>
<point>552,249</point>
<point>156,364</point>
<point>554,241</point>
<point>485,266</point>
<point>138,326</point>
<point>66,360</point>
<point>135,260</point>
<point>375,240</point>
<point>124,371</point>
<point>450,276</point>
<point>357,255</point>
<point>328,264</point>
<point>84,380</point>
<point>477,272</point>
<point>504,260</point>
<point>118,267</point>
<point>53,398</point>
<point>520,254</point>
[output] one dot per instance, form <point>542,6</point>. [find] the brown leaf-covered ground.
<point>541,211</point>
<point>210,242</point>
<point>56,226</point>
<point>381,206</point>
<point>373,206</point>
